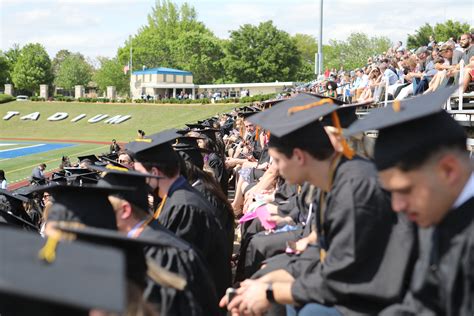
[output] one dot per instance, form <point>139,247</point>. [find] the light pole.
<point>318,66</point>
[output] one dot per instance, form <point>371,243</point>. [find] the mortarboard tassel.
<point>257,132</point>
<point>396,106</point>
<point>347,151</point>
<point>160,207</point>
<point>296,109</point>
<point>48,252</point>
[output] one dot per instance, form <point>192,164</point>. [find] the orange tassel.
<point>396,106</point>
<point>347,151</point>
<point>296,109</point>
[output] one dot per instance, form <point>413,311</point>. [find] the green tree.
<point>58,59</point>
<point>111,73</point>
<point>441,33</point>
<point>11,57</point>
<point>32,68</point>
<point>156,43</point>
<point>74,70</point>
<point>201,54</point>
<point>307,46</point>
<point>4,70</point>
<point>354,51</point>
<point>261,54</point>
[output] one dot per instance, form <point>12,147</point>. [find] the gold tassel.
<point>143,140</point>
<point>112,167</point>
<point>347,151</point>
<point>257,132</point>
<point>322,255</point>
<point>48,252</point>
<point>396,106</point>
<point>296,109</point>
<point>164,277</point>
<point>160,207</point>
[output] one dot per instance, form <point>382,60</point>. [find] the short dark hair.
<point>312,139</point>
<point>418,158</point>
<point>169,168</point>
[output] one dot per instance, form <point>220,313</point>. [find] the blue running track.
<point>25,149</point>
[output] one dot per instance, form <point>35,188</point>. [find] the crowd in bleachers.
<point>403,72</point>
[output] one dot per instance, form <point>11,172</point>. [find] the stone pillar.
<point>9,89</point>
<point>193,94</point>
<point>44,91</point>
<point>111,93</point>
<point>174,93</point>
<point>79,92</point>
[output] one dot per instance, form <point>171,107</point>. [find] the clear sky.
<point>99,27</point>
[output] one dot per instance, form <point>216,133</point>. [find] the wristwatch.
<point>269,292</point>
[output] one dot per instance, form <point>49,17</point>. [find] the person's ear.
<point>449,169</point>
<point>126,210</point>
<point>299,156</point>
<point>335,138</point>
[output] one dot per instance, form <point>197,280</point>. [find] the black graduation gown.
<point>224,214</point>
<point>187,214</point>
<point>199,297</point>
<point>251,228</point>
<point>262,246</point>
<point>369,249</point>
<point>443,280</point>
<point>217,165</point>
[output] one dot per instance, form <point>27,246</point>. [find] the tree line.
<point>174,37</point>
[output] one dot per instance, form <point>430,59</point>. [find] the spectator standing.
<point>3,180</point>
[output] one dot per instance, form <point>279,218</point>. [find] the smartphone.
<point>230,293</point>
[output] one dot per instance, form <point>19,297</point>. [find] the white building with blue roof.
<point>164,82</point>
<point>171,83</point>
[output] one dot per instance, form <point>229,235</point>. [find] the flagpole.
<point>131,66</point>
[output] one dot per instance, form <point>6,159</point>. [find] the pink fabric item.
<point>262,214</point>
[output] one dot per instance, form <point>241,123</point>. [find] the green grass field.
<point>149,117</point>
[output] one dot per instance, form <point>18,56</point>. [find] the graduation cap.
<point>410,126</point>
<point>123,177</point>
<point>335,100</point>
<point>188,148</point>
<point>137,266</point>
<point>209,133</point>
<point>79,176</point>
<point>66,286</point>
<point>246,109</point>
<point>26,191</point>
<point>246,114</point>
<point>298,120</point>
<point>113,162</point>
<point>195,125</point>
<point>155,148</point>
<point>12,211</point>
<point>280,121</point>
<point>87,204</point>
<point>92,158</point>
<point>183,131</point>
